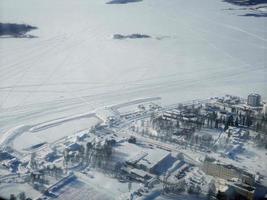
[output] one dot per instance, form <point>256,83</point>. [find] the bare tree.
<point>33,162</point>
<point>129,186</point>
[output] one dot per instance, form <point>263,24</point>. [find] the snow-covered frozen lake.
<point>197,49</point>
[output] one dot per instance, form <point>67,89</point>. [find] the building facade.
<point>265,109</point>
<point>254,100</point>
<point>222,171</point>
<point>227,172</point>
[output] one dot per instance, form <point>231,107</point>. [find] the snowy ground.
<point>196,50</point>
<point>107,185</point>
<point>11,188</point>
<point>75,64</point>
<point>52,134</point>
<point>78,190</point>
<point>3,171</point>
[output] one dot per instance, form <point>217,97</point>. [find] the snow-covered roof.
<point>73,146</point>
<point>139,172</point>
<point>153,158</point>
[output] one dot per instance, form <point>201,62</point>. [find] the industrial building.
<point>155,162</point>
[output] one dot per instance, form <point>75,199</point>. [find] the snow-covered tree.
<point>211,189</point>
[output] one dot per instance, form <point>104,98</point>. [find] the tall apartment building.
<point>254,100</point>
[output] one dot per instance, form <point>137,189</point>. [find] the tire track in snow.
<point>25,71</point>
<point>30,52</point>
<point>59,66</point>
<point>21,65</point>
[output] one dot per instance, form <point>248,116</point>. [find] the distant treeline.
<point>15,30</point>
<point>131,36</point>
<point>246,2</point>
<point>122,1</point>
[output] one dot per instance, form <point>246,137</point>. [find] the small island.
<point>246,2</point>
<point>15,30</point>
<point>131,36</point>
<point>122,1</point>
